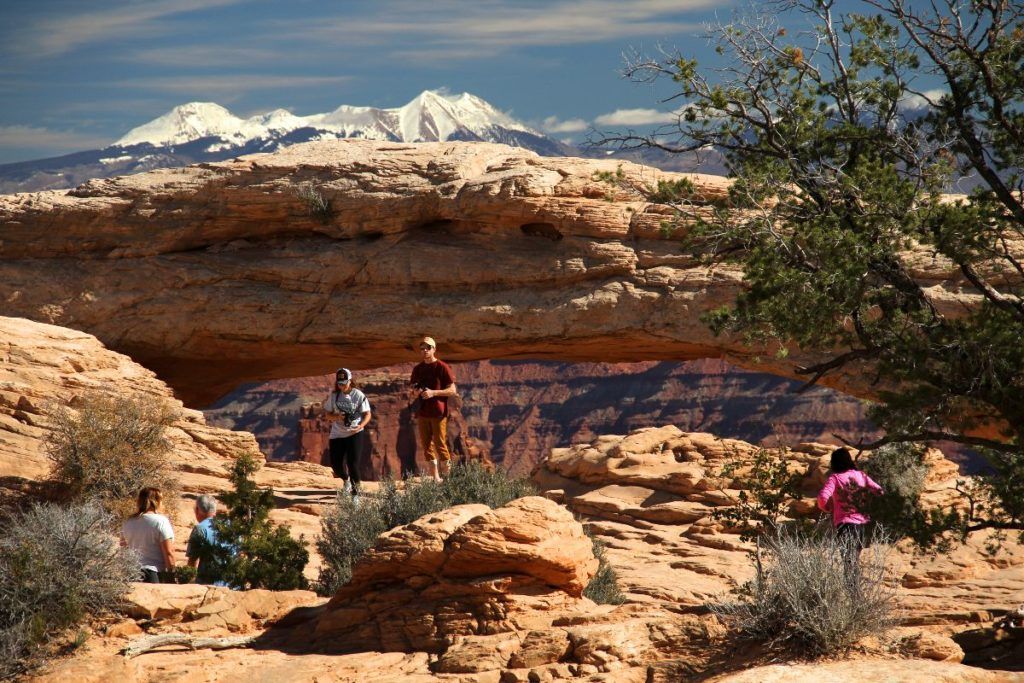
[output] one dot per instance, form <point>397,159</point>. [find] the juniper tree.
<point>845,141</point>
<point>251,551</point>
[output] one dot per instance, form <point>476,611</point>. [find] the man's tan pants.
<point>434,437</point>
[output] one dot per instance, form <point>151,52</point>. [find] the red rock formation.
<point>515,412</point>
<point>465,571</point>
<point>217,274</point>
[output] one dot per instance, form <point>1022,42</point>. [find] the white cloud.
<point>60,34</point>
<point>636,117</point>
<point>227,85</point>
<point>456,30</point>
<point>913,102</point>
<point>553,124</point>
<point>33,137</point>
<point>219,55</point>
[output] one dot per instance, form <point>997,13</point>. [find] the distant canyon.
<point>514,412</point>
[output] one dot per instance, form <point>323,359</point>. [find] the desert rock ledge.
<point>216,274</point>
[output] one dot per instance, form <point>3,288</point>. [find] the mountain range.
<point>205,131</point>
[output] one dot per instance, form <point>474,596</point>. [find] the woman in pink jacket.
<point>841,491</point>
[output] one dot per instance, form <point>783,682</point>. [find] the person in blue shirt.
<point>201,540</point>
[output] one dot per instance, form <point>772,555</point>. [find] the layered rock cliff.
<point>221,273</point>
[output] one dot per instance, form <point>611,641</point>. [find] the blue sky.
<point>78,74</point>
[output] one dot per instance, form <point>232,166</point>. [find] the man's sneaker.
<point>356,499</point>
<point>347,488</point>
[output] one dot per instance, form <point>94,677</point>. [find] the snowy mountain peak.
<point>430,116</point>
<point>184,123</point>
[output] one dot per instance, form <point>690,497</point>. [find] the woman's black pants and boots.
<point>345,459</point>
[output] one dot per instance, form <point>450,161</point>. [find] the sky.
<point>78,74</point>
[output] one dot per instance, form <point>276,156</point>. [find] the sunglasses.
<point>424,347</point>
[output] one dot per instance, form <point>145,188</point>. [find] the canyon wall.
<point>515,412</point>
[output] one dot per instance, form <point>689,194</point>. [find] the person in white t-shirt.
<point>349,412</point>
<point>150,535</point>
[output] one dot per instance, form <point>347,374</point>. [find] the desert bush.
<point>58,565</point>
<point>900,470</point>
<point>604,585</point>
<point>474,483</point>
<point>252,551</point>
<point>317,206</point>
<point>811,593</point>
<point>768,484</point>
<point>110,448</point>
<point>349,530</point>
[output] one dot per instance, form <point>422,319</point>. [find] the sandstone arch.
<point>217,274</point>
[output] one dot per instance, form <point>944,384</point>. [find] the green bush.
<point>671,191</point>
<point>58,565</point>
<point>900,470</point>
<point>768,483</point>
<point>812,594</point>
<point>348,530</point>
<point>110,448</point>
<point>604,586</point>
<point>253,552</point>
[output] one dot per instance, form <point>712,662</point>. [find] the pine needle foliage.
<point>251,551</point>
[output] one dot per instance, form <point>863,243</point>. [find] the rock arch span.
<point>217,274</point>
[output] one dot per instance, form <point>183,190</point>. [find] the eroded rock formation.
<point>466,571</point>
<point>650,496</point>
<point>42,366</point>
<point>220,273</point>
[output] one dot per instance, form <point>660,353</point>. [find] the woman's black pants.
<point>345,459</point>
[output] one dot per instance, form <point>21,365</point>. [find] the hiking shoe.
<point>347,488</point>
<point>355,499</point>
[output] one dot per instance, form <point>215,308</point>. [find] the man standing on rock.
<point>433,383</point>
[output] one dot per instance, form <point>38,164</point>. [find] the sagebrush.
<point>110,447</point>
<point>58,566</point>
<point>349,530</point>
<point>813,594</point>
<point>317,206</point>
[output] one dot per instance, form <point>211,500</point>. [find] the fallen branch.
<point>146,643</point>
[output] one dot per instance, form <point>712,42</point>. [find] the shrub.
<point>58,565</point>
<point>604,586</point>
<point>252,551</point>
<point>317,206</point>
<point>671,191</point>
<point>109,448</point>
<point>768,484</point>
<point>348,531</point>
<point>812,595</point>
<point>900,470</point>
<point>474,483</point>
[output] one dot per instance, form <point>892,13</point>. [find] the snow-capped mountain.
<point>205,131</point>
<point>430,117</point>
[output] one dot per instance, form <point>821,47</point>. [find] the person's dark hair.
<point>842,461</point>
<point>149,500</point>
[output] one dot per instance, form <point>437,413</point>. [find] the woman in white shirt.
<point>349,411</point>
<point>150,535</point>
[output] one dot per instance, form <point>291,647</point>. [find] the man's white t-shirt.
<point>145,534</point>
<point>352,405</point>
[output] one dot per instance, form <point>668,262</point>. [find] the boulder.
<point>465,571</point>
